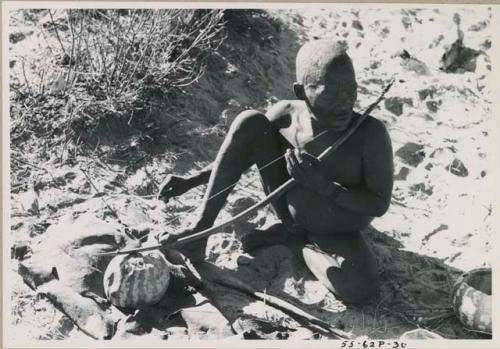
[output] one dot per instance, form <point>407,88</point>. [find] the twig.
<point>25,78</point>
<point>70,24</point>
<point>296,313</point>
<point>478,331</point>
<point>153,180</point>
<point>97,190</point>
<point>57,32</point>
<point>30,164</point>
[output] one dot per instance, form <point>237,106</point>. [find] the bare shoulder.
<point>284,109</point>
<point>375,137</point>
<point>374,128</point>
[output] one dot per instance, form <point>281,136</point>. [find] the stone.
<point>394,105</point>
<point>419,333</point>
<point>85,312</point>
<point>422,187</point>
<point>426,92</point>
<point>411,153</point>
<point>357,25</point>
<point>459,58</point>
<point>458,168</point>
<point>433,106</point>
<point>402,174</point>
<point>20,250</point>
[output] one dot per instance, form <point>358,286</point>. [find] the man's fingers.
<point>289,163</point>
<point>293,165</point>
<point>310,159</point>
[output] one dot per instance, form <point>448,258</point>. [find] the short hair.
<point>315,58</point>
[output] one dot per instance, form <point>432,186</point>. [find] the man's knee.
<point>249,123</point>
<point>356,288</point>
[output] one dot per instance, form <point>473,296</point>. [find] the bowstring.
<point>368,110</point>
<point>231,186</point>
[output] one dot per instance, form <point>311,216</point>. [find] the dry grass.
<point>103,68</point>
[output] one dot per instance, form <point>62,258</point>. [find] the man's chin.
<point>338,125</point>
<point>339,128</point>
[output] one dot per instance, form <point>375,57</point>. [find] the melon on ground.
<point>472,299</point>
<point>136,279</point>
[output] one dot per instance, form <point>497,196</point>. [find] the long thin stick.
<point>269,198</point>
<point>295,312</point>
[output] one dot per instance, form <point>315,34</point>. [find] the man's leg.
<point>344,264</point>
<point>251,140</point>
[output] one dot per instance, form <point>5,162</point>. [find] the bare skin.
<point>333,200</point>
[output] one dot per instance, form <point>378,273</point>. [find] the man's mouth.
<point>341,121</point>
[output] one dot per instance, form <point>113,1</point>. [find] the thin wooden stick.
<point>269,198</point>
<point>295,312</point>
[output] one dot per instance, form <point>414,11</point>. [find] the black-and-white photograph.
<point>290,172</point>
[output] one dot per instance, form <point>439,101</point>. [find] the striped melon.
<point>472,299</point>
<point>136,279</point>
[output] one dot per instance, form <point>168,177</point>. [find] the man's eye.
<point>320,88</point>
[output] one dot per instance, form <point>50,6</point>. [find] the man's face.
<point>331,98</point>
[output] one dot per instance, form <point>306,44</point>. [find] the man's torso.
<point>314,212</point>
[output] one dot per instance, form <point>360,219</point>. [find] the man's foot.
<point>194,250</point>
<point>276,234</point>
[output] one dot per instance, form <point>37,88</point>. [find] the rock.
<point>459,58</point>
<point>458,168</point>
<point>427,92</point>
<point>20,250</point>
<point>411,63</point>
<point>356,24</point>
<point>419,333</point>
<point>84,312</point>
<point>394,105</point>
<point>15,37</point>
<point>486,45</point>
<point>402,174</point>
<point>254,328</point>
<point>422,187</point>
<point>411,153</point>
<point>433,106</point>
<point>206,321</point>
<point>406,21</point>
<point>69,252</point>
<point>478,26</point>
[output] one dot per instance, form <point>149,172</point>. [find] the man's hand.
<point>194,250</point>
<point>167,238</point>
<point>173,186</point>
<point>307,170</point>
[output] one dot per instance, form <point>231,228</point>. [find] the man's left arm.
<point>374,197</point>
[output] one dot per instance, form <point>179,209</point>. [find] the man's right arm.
<point>201,177</point>
<point>174,185</point>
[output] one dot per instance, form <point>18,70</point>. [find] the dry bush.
<point>119,54</point>
<point>107,64</point>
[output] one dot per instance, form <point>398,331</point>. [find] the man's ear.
<point>298,89</point>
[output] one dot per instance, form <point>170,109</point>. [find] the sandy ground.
<point>439,222</point>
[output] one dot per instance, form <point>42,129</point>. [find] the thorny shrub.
<point>102,66</point>
<point>113,59</point>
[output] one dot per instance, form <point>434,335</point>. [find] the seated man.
<point>334,199</point>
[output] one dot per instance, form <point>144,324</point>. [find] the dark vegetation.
<point>113,84</point>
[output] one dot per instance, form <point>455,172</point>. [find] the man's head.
<point>326,82</point>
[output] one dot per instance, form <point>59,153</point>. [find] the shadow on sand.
<point>415,292</point>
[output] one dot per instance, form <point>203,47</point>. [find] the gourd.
<point>136,279</point>
<point>472,299</point>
